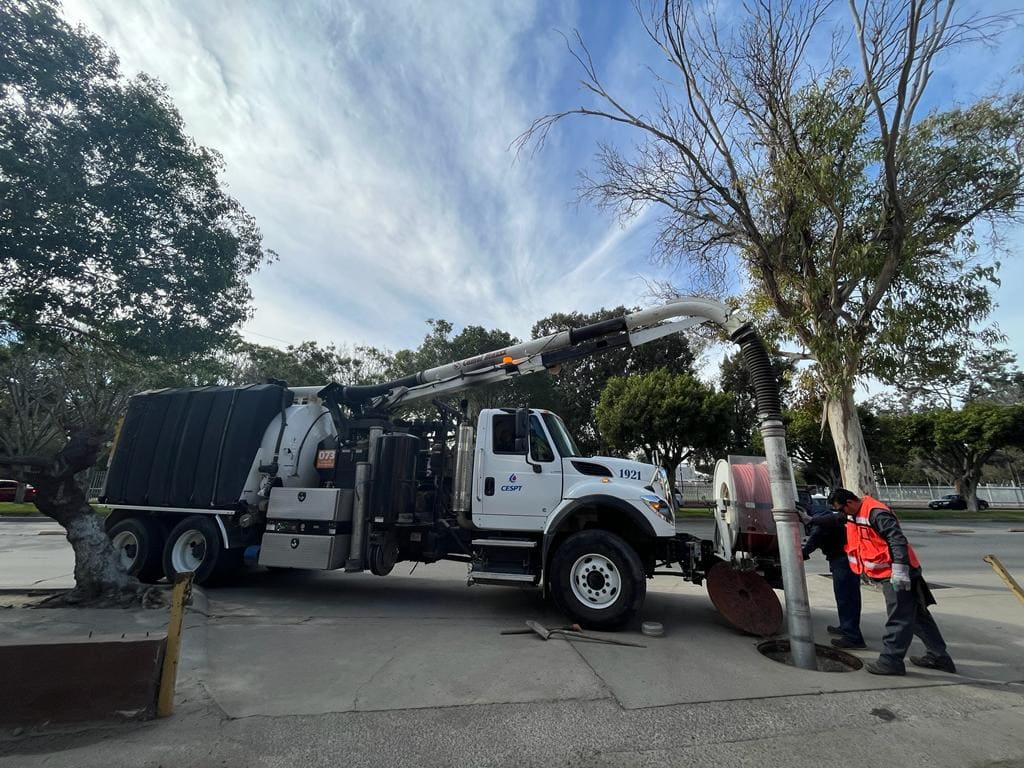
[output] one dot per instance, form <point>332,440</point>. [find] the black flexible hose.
<point>355,394</point>
<point>766,386</point>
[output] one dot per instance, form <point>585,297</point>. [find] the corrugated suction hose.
<point>766,386</point>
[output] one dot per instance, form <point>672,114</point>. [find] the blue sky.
<point>371,142</point>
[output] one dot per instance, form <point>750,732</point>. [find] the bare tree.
<point>852,212</point>
<point>58,410</point>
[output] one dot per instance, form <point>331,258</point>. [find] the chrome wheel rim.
<point>596,581</point>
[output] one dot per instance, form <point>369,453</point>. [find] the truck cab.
<point>589,529</point>
<point>526,474</point>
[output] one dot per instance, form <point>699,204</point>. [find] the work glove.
<point>900,578</point>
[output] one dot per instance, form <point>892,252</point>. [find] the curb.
<point>200,602</point>
<point>27,519</point>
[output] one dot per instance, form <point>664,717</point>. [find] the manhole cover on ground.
<point>829,659</point>
<point>745,599</point>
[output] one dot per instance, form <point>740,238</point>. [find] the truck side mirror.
<point>522,437</point>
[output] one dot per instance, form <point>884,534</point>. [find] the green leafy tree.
<point>857,216</point>
<point>958,444</point>
<point>113,222</point>
<point>673,416</point>
<point>579,383</point>
<point>117,239</point>
<point>305,364</point>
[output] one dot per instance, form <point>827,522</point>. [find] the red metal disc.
<point>745,599</point>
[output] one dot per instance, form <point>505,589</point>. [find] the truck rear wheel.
<point>139,542</point>
<point>597,579</point>
<point>194,545</point>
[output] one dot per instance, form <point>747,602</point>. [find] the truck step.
<point>497,577</point>
<point>512,543</point>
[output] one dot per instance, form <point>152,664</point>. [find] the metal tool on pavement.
<point>545,633</point>
<point>529,631</point>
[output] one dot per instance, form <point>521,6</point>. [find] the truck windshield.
<point>563,440</point>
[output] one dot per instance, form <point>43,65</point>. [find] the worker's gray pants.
<point>908,616</point>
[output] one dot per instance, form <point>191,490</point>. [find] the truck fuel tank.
<point>393,498</point>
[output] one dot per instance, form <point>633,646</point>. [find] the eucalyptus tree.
<point>792,140</point>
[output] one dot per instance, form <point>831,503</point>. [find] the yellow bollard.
<point>169,671</point>
<point>1005,576</point>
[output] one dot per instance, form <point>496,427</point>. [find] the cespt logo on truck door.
<point>512,487</point>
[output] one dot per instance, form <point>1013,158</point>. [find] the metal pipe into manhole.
<point>827,658</point>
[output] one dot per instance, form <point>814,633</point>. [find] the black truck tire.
<point>194,544</point>
<point>139,541</point>
<point>597,579</point>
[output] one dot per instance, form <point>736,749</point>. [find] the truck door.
<point>515,490</point>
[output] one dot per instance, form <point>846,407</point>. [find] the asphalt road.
<point>409,670</point>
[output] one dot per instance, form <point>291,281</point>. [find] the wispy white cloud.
<point>371,142</point>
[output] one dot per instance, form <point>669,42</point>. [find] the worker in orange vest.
<point>878,550</point>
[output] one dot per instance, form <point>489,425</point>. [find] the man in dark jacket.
<point>827,532</point>
<point>877,548</point>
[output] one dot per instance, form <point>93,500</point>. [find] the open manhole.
<point>829,659</point>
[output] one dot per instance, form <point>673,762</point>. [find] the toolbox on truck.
<point>308,528</point>
<point>328,504</point>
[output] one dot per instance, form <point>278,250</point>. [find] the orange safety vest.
<point>867,551</point>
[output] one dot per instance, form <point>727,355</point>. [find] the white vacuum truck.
<point>327,477</point>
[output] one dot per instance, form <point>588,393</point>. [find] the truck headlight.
<point>661,482</point>
<point>660,507</point>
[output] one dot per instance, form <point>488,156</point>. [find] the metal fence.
<point>701,494</point>
<point>96,479</point>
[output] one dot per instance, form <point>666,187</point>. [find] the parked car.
<point>954,501</point>
<point>9,490</point>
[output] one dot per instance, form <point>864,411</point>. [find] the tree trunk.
<point>99,575</point>
<point>100,579</point>
<point>19,493</point>
<point>972,498</point>
<point>854,462</point>
<point>967,483</point>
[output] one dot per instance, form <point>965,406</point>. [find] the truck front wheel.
<point>597,579</point>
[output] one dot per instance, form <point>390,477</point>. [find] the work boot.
<point>848,645</point>
<point>833,630</point>
<point>931,661</point>
<point>878,668</point>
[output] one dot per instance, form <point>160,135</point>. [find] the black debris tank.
<point>167,446</point>
<point>394,478</point>
<point>191,448</point>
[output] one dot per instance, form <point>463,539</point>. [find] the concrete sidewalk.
<point>313,669</point>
